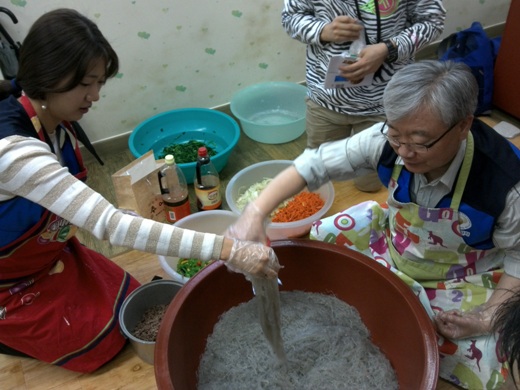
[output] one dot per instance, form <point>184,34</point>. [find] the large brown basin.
<point>397,321</point>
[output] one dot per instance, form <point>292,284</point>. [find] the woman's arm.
<point>30,170</point>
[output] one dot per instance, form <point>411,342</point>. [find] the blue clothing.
<point>495,169</point>
<point>18,214</point>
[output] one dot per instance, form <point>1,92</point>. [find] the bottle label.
<point>208,199</point>
<point>176,211</point>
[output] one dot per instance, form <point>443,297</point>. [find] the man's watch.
<point>392,51</point>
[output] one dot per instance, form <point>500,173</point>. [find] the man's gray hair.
<point>448,89</point>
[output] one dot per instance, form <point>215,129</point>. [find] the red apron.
<point>60,301</point>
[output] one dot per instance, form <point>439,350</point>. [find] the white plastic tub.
<point>269,169</point>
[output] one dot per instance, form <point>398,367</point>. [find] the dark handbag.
<point>9,49</point>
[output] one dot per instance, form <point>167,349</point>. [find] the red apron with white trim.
<point>59,300</point>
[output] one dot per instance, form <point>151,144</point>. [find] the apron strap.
<point>396,171</point>
<point>42,135</point>
<point>464,172</point>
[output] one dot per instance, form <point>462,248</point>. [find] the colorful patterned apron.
<point>60,301</point>
<point>425,248</point>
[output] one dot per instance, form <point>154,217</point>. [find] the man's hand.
<point>455,324</point>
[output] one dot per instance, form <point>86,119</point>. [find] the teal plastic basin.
<point>214,128</point>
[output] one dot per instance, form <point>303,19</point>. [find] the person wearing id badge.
<point>393,31</point>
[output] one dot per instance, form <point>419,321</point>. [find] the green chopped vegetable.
<point>186,152</point>
<point>189,267</point>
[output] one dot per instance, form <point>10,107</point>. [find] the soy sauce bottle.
<point>206,182</point>
<point>174,191</point>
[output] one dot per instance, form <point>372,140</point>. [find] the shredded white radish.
<point>251,193</point>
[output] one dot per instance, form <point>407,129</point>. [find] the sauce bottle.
<point>206,182</point>
<point>174,190</point>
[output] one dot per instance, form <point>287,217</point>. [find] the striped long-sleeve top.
<point>411,24</point>
<point>30,170</point>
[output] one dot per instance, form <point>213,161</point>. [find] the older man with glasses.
<point>450,227</point>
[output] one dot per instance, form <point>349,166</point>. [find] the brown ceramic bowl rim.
<point>429,340</point>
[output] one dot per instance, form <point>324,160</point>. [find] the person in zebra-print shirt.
<point>395,30</point>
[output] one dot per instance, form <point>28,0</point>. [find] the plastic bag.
<point>137,187</point>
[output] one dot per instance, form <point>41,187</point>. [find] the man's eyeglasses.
<point>417,148</point>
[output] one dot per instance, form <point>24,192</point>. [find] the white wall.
<point>197,53</point>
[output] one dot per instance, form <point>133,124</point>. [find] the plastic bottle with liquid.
<point>174,190</point>
<point>206,182</point>
<point>356,46</point>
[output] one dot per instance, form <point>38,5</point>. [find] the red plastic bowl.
<point>394,316</point>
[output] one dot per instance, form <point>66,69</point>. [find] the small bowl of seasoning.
<point>142,312</point>
<point>210,221</point>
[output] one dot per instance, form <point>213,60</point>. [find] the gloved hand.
<point>249,226</point>
<point>253,258</point>
<point>455,324</point>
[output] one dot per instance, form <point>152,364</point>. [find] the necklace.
<point>378,19</point>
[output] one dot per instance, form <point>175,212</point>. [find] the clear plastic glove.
<point>455,324</point>
<point>253,258</point>
<point>249,226</point>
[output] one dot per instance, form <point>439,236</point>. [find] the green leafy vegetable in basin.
<point>186,152</point>
<point>189,267</point>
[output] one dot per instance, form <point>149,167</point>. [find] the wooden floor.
<point>127,371</point>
